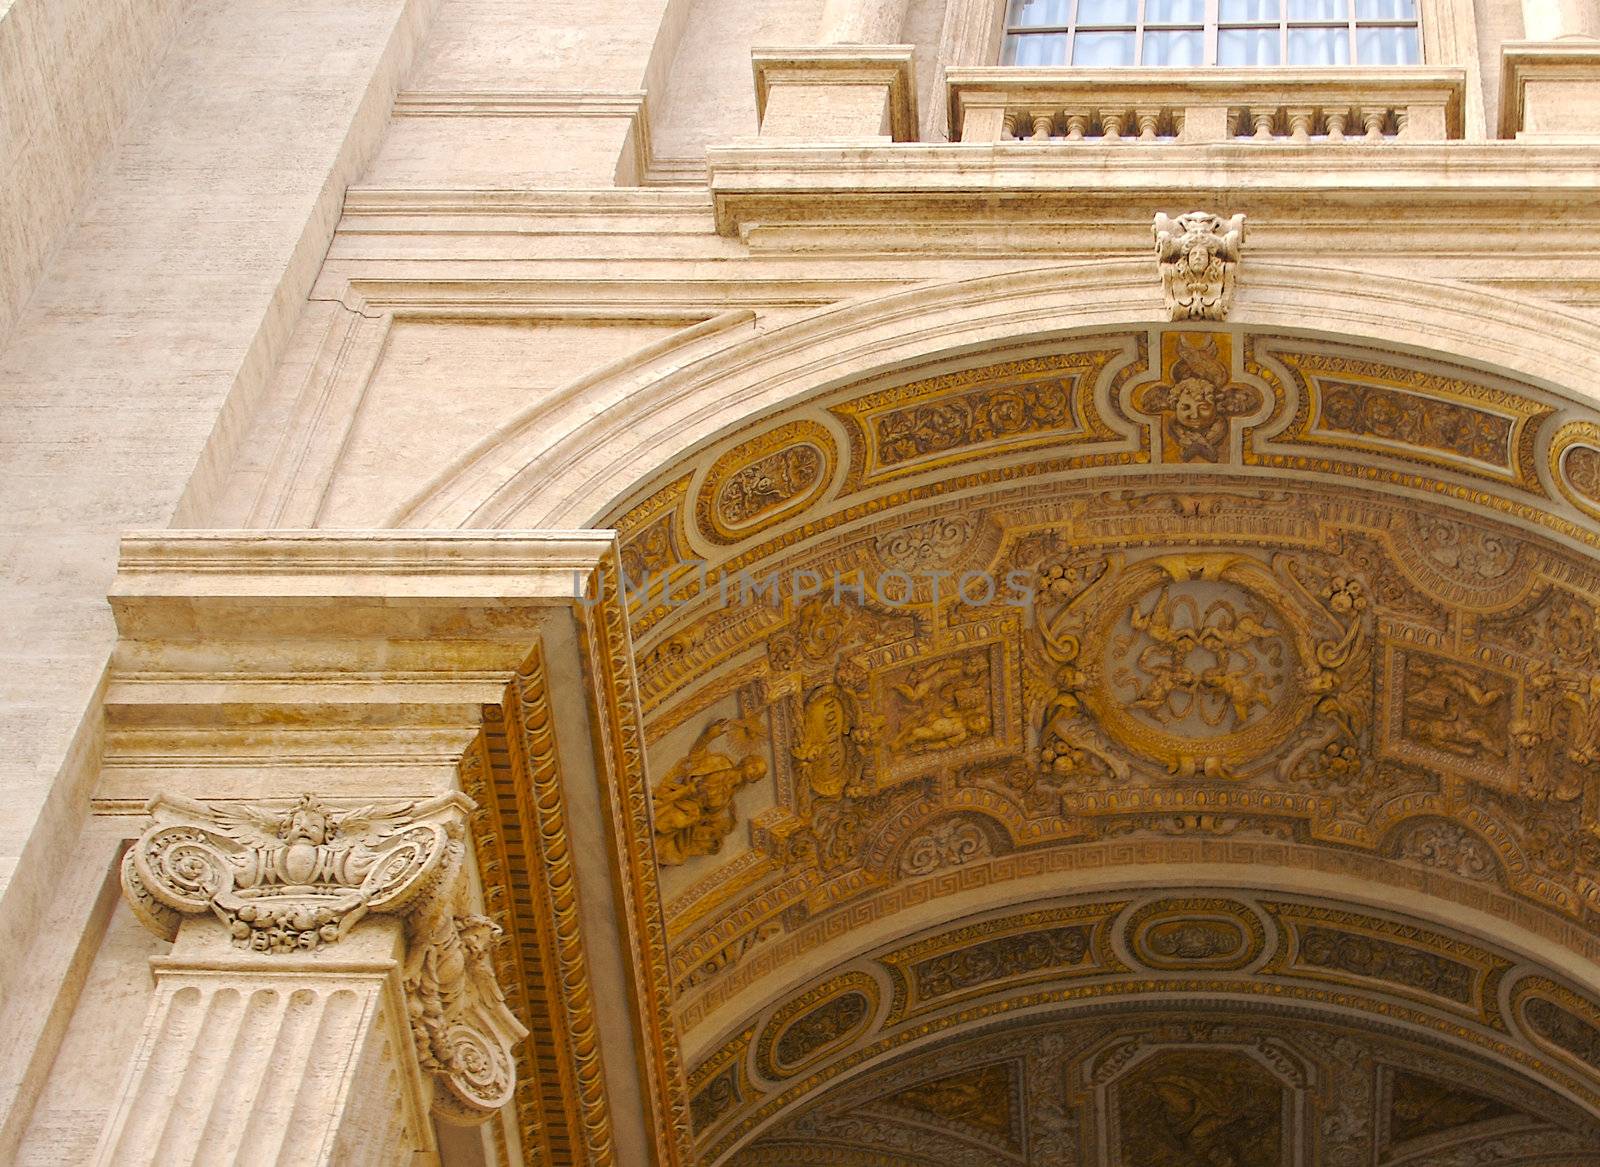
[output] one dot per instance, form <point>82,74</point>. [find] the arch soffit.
<point>568,459</point>
<point>974,973</point>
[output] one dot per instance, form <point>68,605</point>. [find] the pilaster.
<point>388,672</point>
<point>264,1059</point>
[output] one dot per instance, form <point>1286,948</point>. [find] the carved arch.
<point>567,460</point>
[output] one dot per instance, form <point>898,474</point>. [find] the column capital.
<point>289,880</point>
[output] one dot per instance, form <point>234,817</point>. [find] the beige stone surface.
<point>121,371</point>
<point>71,74</point>
<point>475,267</point>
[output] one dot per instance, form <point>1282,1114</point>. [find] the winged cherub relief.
<point>1197,254</point>
<point>287,879</point>
<point>293,879</point>
<point>1196,403</point>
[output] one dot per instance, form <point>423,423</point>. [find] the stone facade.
<point>476,484</point>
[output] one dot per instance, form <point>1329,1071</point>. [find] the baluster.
<point>1147,119</point>
<point>1008,125</point>
<point>1336,119</point>
<point>1110,125</point>
<point>1300,124</point>
<point>1373,119</point>
<point>1077,126</point>
<point>1042,124</point>
<point>1263,119</point>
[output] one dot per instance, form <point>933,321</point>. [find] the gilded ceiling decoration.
<point>1178,594</point>
<point>1179,1027</point>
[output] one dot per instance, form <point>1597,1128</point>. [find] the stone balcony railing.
<point>1213,105</point>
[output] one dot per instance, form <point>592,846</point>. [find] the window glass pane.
<point>1036,49</point>
<point>1387,46</point>
<point>1386,9</point>
<point>1247,46</point>
<point>1103,48</point>
<point>1039,13</point>
<point>1174,11</point>
<point>1092,12</point>
<point>1186,47</point>
<point>1246,11</point>
<point>1318,10</point>
<point>1319,46</point>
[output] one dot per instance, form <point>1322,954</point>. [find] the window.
<point>1211,32</point>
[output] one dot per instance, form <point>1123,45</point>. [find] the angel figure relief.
<point>945,704</point>
<point>463,1028</point>
<point>282,880</point>
<point>1197,253</point>
<point>692,806</point>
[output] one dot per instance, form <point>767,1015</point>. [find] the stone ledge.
<point>804,183</point>
<point>1550,90</point>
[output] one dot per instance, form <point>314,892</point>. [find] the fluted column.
<point>270,1061</point>
<point>327,988</point>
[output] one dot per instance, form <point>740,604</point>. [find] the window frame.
<point>1210,27</point>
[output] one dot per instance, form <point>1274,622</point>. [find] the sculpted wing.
<point>252,826</point>
<point>374,820</point>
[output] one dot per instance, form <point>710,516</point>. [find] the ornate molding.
<point>294,879</point>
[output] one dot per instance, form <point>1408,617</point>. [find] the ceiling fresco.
<point>1171,595</point>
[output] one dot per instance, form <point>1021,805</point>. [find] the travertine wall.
<point>163,308</point>
<point>71,72</point>
<point>204,348</point>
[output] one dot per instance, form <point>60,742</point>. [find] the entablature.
<point>765,185</point>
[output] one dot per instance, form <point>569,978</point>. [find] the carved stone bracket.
<point>1198,253</point>
<point>291,880</point>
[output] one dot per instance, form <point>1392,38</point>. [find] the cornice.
<point>355,565</point>
<point>1577,59</point>
<point>759,184</point>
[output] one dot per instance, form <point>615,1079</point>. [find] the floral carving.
<point>297,878</point>
<point>692,806</point>
<point>1396,416</point>
<point>1449,847</point>
<point>1198,254</point>
<point>1368,956</point>
<point>715,1099</point>
<point>949,843</point>
<point>933,544</point>
<point>1005,956</point>
<point>972,418</point>
<point>1468,549</point>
